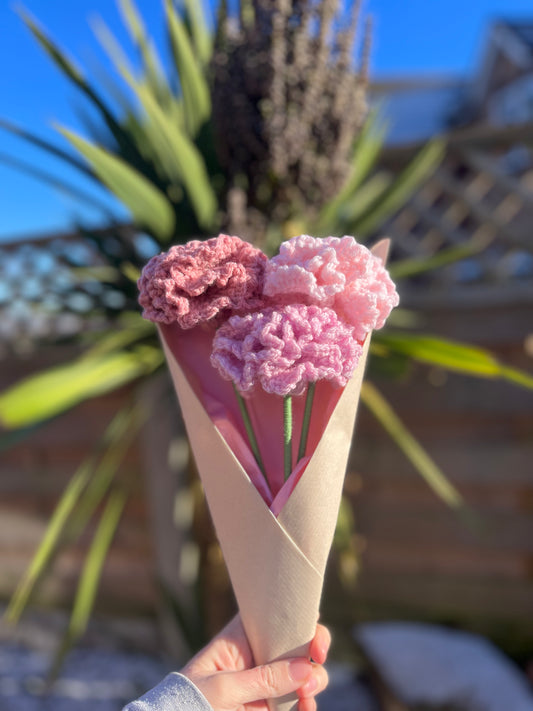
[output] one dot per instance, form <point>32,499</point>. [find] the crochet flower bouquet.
<point>267,358</point>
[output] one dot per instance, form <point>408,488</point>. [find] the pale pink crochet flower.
<point>334,272</point>
<point>192,283</point>
<point>285,349</point>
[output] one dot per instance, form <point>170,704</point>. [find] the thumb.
<point>268,681</point>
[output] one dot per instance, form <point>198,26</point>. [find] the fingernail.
<point>299,669</point>
<point>309,687</point>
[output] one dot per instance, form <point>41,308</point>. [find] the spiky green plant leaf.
<point>148,205</point>
<point>350,211</point>
<point>130,331</point>
<point>176,153</point>
<point>145,134</point>
<point>75,75</point>
<point>90,577</point>
<point>450,355</point>
<point>367,148</point>
<point>412,449</point>
<point>412,266</point>
<point>42,396</point>
<point>196,97</point>
<point>50,148</point>
<point>401,188</point>
<point>152,63</point>
<point>84,492</point>
<point>198,27</point>
<point>48,545</point>
<point>187,161</point>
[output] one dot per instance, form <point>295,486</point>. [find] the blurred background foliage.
<point>258,127</point>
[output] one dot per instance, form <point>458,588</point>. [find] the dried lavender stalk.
<point>288,104</point>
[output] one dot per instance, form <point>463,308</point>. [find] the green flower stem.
<point>250,432</point>
<point>287,435</point>
<point>307,419</point>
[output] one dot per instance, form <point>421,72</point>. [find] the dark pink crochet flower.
<point>334,272</point>
<point>285,349</point>
<point>192,283</point>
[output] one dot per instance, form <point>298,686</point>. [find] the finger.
<point>307,704</point>
<point>320,644</point>
<point>316,683</point>
<point>232,647</point>
<point>269,681</point>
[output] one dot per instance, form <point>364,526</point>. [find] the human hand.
<point>224,672</point>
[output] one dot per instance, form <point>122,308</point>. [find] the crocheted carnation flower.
<point>334,272</point>
<point>285,349</point>
<point>192,283</point>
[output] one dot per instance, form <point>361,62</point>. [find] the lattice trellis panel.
<point>55,288</point>
<point>475,197</point>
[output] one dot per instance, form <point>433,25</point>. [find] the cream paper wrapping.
<point>276,565</point>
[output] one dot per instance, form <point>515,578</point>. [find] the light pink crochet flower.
<point>334,272</point>
<point>192,283</point>
<point>285,349</point>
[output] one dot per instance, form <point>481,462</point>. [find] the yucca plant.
<point>244,131</point>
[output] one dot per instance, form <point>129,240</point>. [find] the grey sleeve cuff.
<point>174,693</point>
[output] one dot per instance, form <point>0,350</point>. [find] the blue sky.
<point>415,37</point>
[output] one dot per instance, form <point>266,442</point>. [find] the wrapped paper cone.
<point>276,565</point>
